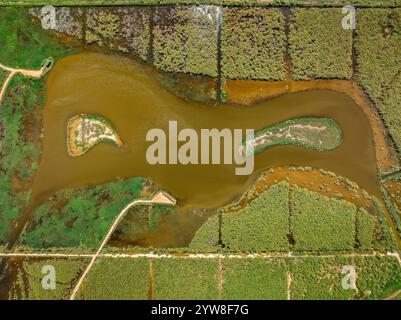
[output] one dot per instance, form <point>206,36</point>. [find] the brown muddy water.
<point>129,95</point>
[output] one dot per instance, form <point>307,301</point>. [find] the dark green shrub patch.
<point>185,279</point>
<point>319,47</point>
<point>185,39</point>
<point>320,223</point>
<point>254,279</point>
<point>253,44</point>
<point>260,226</point>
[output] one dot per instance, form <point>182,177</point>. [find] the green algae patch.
<point>253,44</point>
<point>85,131</point>
<point>319,47</point>
<point>321,134</point>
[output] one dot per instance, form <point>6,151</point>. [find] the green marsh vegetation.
<point>378,277</point>
<point>289,218</point>
<point>207,236</point>
<point>321,223</point>
<point>320,134</point>
<point>117,279</point>
<point>306,3</point>
<point>28,285</point>
<point>122,29</point>
<point>321,278</point>
<point>20,112</point>
<point>319,47</point>
<point>257,278</point>
<point>378,48</point>
<point>253,44</point>
<point>142,220</point>
<point>80,217</point>
<point>188,279</point>
<point>185,278</point>
<point>261,226</point>
<point>317,278</point>
<point>185,40</point>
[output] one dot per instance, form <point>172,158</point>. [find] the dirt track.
<point>36,74</point>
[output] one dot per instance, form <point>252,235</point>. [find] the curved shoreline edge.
<point>84,131</point>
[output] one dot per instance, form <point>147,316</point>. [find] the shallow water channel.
<point>129,95</point>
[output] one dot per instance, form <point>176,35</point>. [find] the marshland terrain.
<point>304,210</point>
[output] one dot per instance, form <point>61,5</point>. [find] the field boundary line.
<point>196,256</point>
<point>289,281</point>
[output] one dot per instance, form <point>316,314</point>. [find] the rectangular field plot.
<point>253,44</point>
<point>319,47</point>
<point>321,223</point>
<point>32,275</point>
<point>227,277</point>
<point>296,219</point>
<point>254,279</point>
<point>378,48</point>
<point>378,277</point>
<point>185,39</point>
<point>117,279</point>
<point>319,278</point>
<point>261,226</point>
<point>185,279</point>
